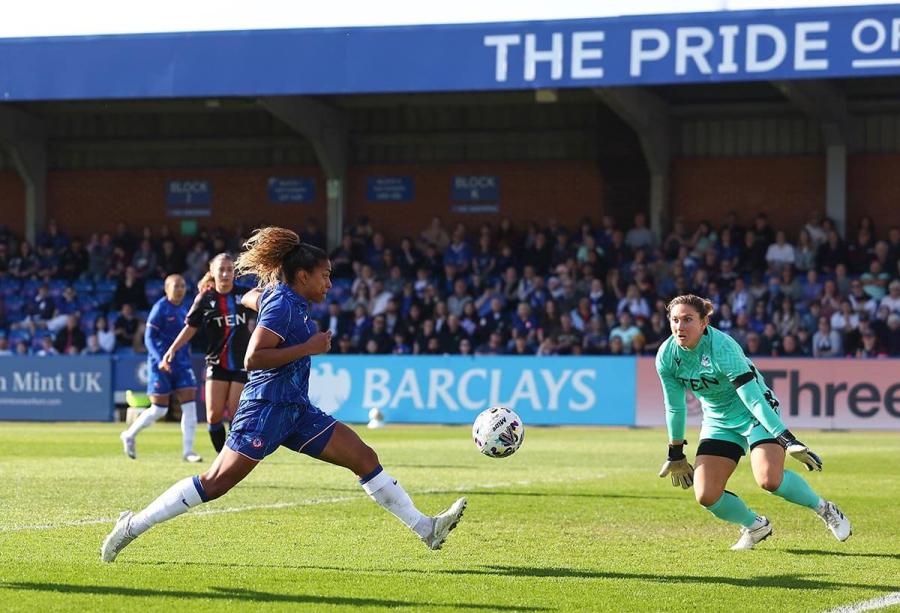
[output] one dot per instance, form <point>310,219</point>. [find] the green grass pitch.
<point>577,520</point>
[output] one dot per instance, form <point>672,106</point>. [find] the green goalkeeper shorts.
<point>757,435</point>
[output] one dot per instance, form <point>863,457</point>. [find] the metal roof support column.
<point>824,102</point>
<point>24,138</point>
<point>648,116</point>
<point>326,128</point>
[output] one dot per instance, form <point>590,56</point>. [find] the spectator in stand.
<point>634,303</point>
<point>626,330</point>
<point>374,253</point>
<point>21,348</point>
<point>344,257</point>
<point>762,231</point>
<point>538,255</point>
<point>831,253</point>
<point>892,300</point>
<point>704,239</point>
<point>814,229</point>
<point>5,351</point>
<point>46,347</point>
<point>755,346</point>
<point>124,239</point>
<point>893,263</point>
<point>92,346</point>
<point>770,340</point>
<point>813,287</point>
<point>562,250</point>
<point>378,335</point>
<point>126,327</point>
<point>741,329</point>
<point>780,254</point>
<point>460,297</point>
<point>521,346</point>
<point>789,347</point>
<point>753,254</point>
<point>786,318</point>
<point>790,285</point>
<point>860,252</point>
<point>677,238</point>
<point>380,298</point>
<point>493,346</point>
<point>25,264</point>
<point>335,320</point>
<point>804,342</point>
<point>99,256</point>
<point>845,319</point>
<point>312,234</point>
<point>875,281</point>
<point>640,236</point>
<point>830,300</point>
<point>106,337</point>
<point>130,289</point>
<point>170,261</point>
<point>893,335</point>
<point>435,235</point>
<point>197,262</point>
<point>805,252</point>
<point>618,253</point>
<point>870,346</point>
<point>852,339</point>
<point>70,340</point>
<point>53,238</point>
<point>826,343</point>
<point>144,261</point>
<point>861,301</point>
<point>73,260</point>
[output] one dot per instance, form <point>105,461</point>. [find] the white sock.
<point>383,489</point>
<point>146,419</point>
<point>176,500</point>
<point>188,426</point>
<point>758,523</point>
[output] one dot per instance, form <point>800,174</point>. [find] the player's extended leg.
<point>188,423</point>
<point>227,470</point>
<point>233,399</point>
<point>711,475</point>
<point>346,449</point>
<point>216,397</point>
<point>767,460</point>
<point>159,406</point>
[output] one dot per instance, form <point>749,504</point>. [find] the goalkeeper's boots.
<point>116,540</point>
<point>835,520</point>
<point>443,523</point>
<point>749,538</point>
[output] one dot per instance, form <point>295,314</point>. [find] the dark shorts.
<point>728,449</point>
<point>260,426</point>
<point>217,373</point>
<point>164,383</point>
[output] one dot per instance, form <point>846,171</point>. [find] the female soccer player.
<point>163,326</point>
<point>275,409</point>
<point>218,310</point>
<point>739,413</point>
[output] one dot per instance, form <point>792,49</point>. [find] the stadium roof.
<point>685,47</point>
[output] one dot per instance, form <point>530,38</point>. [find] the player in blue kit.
<point>163,325</point>
<point>275,409</point>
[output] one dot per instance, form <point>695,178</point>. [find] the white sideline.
<point>298,503</point>
<point>881,602</point>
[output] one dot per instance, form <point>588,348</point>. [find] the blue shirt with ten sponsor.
<point>285,313</point>
<point>163,325</point>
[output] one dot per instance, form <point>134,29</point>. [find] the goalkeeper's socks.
<point>217,435</point>
<point>147,418</point>
<point>732,509</point>
<point>176,500</point>
<point>794,488</point>
<point>384,489</point>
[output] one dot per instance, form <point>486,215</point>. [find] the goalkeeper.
<point>740,414</point>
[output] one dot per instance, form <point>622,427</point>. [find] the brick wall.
<point>873,189</point>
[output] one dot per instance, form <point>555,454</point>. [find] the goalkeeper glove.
<point>799,451</point>
<point>678,468</point>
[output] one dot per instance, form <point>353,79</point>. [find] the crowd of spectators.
<point>494,289</point>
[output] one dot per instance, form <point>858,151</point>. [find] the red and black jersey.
<point>224,322</point>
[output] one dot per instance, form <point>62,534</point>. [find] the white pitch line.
<point>881,602</point>
<point>299,503</point>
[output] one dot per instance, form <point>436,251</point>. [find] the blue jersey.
<point>164,324</point>
<point>285,313</point>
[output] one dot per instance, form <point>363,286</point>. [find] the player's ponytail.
<point>703,306</point>
<point>276,254</point>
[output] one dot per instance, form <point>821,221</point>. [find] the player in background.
<point>740,413</point>
<point>218,310</point>
<point>275,409</point>
<point>163,325</point>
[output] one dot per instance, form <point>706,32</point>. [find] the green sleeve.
<point>732,362</point>
<point>673,396</point>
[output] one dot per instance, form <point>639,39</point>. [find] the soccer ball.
<point>498,432</point>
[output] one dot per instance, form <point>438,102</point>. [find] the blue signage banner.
<point>390,189</point>
<point>56,388</point>
<point>291,190</point>
<point>475,188</point>
<point>190,198</point>
<point>727,46</point>
<point>454,389</point>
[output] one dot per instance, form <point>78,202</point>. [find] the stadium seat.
<point>57,286</point>
<point>83,286</point>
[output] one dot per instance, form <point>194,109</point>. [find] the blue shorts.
<point>163,383</point>
<point>259,427</point>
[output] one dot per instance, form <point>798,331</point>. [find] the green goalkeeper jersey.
<point>732,393</point>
